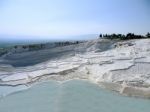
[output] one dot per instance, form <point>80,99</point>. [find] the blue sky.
<point>48,18</point>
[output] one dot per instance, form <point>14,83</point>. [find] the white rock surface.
<point>124,68</point>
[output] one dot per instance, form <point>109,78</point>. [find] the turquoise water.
<point>72,96</point>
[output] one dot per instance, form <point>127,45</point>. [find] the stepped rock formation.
<point>123,66</point>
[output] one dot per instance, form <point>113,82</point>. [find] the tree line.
<point>124,37</point>
<point>43,46</point>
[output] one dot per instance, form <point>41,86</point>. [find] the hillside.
<point>122,66</point>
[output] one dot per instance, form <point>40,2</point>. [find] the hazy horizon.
<point>65,19</point>
<point>7,41</point>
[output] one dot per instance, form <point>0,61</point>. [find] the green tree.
<point>148,35</point>
<point>100,36</point>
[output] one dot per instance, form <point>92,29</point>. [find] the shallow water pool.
<point>72,96</point>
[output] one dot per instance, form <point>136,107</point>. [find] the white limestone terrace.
<point>122,66</point>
